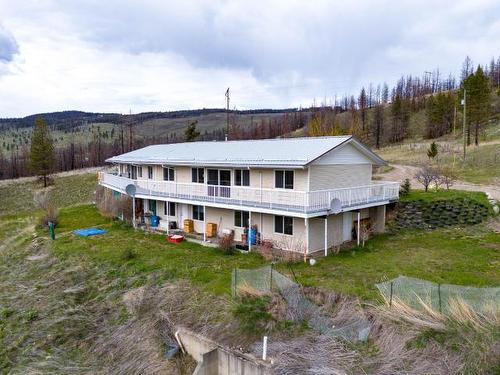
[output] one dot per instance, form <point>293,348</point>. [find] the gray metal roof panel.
<point>267,152</point>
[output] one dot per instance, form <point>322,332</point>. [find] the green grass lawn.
<point>466,256</point>
<point>204,266</point>
<point>432,195</point>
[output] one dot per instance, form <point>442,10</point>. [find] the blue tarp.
<point>89,231</point>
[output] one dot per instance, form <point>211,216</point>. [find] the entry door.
<point>347,226</point>
<point>152,206</point>
<point>134,173</point>
<point>183,210</point>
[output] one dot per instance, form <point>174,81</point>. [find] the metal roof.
<point>286,152</point>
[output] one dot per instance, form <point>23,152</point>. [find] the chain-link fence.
<point>414,291</point>
<point>268,280</point>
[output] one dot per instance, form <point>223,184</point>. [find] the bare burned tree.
<point>426,175</point>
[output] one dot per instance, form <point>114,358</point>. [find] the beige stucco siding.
<point>324,177</point>
<point>184,175</point>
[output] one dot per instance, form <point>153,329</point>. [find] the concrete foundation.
<point>214,359</point>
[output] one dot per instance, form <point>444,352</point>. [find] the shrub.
<point>51,215</point>
<point>128,254</point>
<point>30,315</point>
<point>405,188</point>
<point>252,314</point>
<point>226,243</point>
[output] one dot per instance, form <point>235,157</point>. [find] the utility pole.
<point>465,108</point>
<point>227,113</point>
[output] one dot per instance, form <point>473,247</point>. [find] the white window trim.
<point>234,177</point>
<point>204,213</point>
<point>283,170</point>
<point>241,213</point>
<point>284,234</point>
<point>175,174</point>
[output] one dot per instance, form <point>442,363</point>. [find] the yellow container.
<point>211,229</point>
<point>188,226</point>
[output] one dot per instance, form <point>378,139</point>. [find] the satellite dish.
<point>335,206</point>
<point>130,189</point>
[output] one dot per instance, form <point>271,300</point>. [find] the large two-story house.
<point>300,194</point>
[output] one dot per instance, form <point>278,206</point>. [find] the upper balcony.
<point>304,203</point>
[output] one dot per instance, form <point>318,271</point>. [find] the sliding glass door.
<point>219,183</point>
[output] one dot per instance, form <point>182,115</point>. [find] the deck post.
<point>249,229</point>
<point>133,211</point>
<point>204,224</point>
<point>168,216</point>
<point>306,222</point>
<point>326,236</point>
<point>359,221</point>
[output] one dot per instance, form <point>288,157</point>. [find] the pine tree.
<point>191,133</point>
<point>42,157</point>
<point>432,151</point>
<point>478,102</point>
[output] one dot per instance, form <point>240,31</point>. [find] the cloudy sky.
<point>157,55</point>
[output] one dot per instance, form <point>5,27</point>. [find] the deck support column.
<point>326,236</point>
<point>168,216</point>
<point>358,231</point>
<point>204,224</point>
<point>249,229</point>
<point>306,251</point>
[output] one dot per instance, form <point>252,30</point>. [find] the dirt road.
<point>400,172</point>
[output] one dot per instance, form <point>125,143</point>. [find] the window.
<point>198,213</point>
<point>139,172</point>
<point>283,179</point>
<point>242,177</point>
<point>168,174</point>
<point>150,172</point>
<point>198,175</point>
<point>241,219</point>
<point>170,208</point>
<point>283,224</point>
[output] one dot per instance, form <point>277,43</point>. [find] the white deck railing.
<point>279,199</point>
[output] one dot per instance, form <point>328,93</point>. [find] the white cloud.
<point>155,55</point>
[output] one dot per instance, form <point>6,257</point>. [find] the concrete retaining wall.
<point>214,359</point>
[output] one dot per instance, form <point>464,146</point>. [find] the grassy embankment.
<point>54,295</point>
<point>444,255</point>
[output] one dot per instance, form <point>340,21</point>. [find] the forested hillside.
<point>416,108</point>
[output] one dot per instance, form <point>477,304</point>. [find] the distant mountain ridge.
<point>62,120</point>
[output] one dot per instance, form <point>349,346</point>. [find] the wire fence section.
<point>267,280</point>
<point>414,292</point>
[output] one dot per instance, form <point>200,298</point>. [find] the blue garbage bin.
<point>155,220</point>
<point>253,236</point>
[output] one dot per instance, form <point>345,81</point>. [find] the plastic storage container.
<point>155,220</point>
<point>253,236</point>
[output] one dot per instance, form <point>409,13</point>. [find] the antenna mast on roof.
<point>227,113</point>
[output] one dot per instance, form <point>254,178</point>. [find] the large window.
<point>198,213</point>
<point>241,219</point>
<point>168,174</point>
<point>170,208</point>
<point>198,175</point>
<point>150,172</point>
<point>283,179</point>
<point>139,172</point>
<point>283,224</point>
<point>242,177</point>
